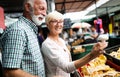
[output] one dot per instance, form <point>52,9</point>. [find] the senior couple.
<point>21,53</point>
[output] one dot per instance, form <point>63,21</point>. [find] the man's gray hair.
<point>29,1</point>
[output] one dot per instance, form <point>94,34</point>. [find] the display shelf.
<point>112,58</point>
<point>113,65</point>
<point>79,55</point>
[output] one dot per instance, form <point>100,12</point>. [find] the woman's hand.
<point>99,48</point>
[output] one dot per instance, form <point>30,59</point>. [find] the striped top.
<point>20,48</point>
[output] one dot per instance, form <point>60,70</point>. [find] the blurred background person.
<point>94,33</point>
<point>40,35</point>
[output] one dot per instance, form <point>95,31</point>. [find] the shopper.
<point>21,55</point>
<point>56,55</point>
<point>40,35</point>
<point>94,33</point>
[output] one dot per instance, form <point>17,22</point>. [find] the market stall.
<point>106,65</point>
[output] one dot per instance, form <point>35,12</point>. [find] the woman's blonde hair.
<point>53,15</point>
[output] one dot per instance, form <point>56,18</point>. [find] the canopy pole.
<point>96,9</point>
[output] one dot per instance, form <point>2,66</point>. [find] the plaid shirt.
<point>20,48</point>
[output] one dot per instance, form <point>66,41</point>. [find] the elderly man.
<point>21,55</point>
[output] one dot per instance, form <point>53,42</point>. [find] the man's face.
<point>38,11</point>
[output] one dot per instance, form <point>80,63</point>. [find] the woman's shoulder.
<point>47,41</point>
<point>62,40</point>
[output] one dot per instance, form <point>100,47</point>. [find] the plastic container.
<point>87,48</point>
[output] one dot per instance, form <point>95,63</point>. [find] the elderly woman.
<point>56,55</point>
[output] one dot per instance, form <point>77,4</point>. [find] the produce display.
<point>116,54</point>
<point>78,50</point>
<point>77,42</point>
<point>98,68</point>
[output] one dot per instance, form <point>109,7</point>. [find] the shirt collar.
<point>30,23</point>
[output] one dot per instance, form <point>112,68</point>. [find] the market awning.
<point>81,25</point>
<point>2,22</point>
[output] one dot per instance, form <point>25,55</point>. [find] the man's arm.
<point>16,73</point>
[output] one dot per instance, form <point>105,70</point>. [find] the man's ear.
<point>28,7</point>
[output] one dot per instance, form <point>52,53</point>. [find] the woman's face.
<point>55,26</point>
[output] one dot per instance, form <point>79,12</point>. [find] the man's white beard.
<point>35,19</point>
